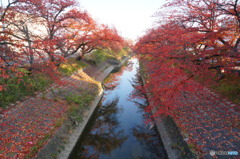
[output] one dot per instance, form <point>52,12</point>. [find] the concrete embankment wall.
<point>172,139</point>
<point>63,141</point>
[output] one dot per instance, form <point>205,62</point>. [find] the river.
<point>118,128</point>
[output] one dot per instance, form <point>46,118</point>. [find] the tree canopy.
<point>38,35</point>
<point>192,38</point>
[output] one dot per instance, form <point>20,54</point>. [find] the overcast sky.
<point>130,17</point>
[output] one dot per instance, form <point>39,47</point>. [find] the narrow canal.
<point>118,129</point>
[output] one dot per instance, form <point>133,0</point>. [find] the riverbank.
<point>41,125</point>
<point>204,120</point>
<point>174,144</point>
<point>74,136</point>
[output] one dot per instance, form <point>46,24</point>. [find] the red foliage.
<point>40,33</point>
<point>194,39</point>
<point>23,129</point>
<point>89,36</point>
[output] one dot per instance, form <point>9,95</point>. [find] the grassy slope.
<point>18,88</point>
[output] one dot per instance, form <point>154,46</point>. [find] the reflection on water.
<point>103,135</point>
<point>146,133</point>
<point>117,129</point>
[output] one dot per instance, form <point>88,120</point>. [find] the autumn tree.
<point>163,56</point>
<point>231,11</point>
<point>21,23</point>
<point>100,37</point>
<point>39,35</point>
<point>73,36</point>
<point>193,38</point>
<point>81,35</point>
<point>218,22</point>
<point>7,55</point>
<point>54,15</point>
<point>30,32</point>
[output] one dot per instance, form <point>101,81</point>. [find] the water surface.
<point>117,129</point>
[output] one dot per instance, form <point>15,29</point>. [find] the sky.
<point>130,17</point>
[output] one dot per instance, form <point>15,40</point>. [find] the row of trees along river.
<point>192,40</point>
<point>38,35</point>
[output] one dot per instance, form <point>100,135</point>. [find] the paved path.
<point>210,122</point>
<point>28,123</point>
<point>207,121</point>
